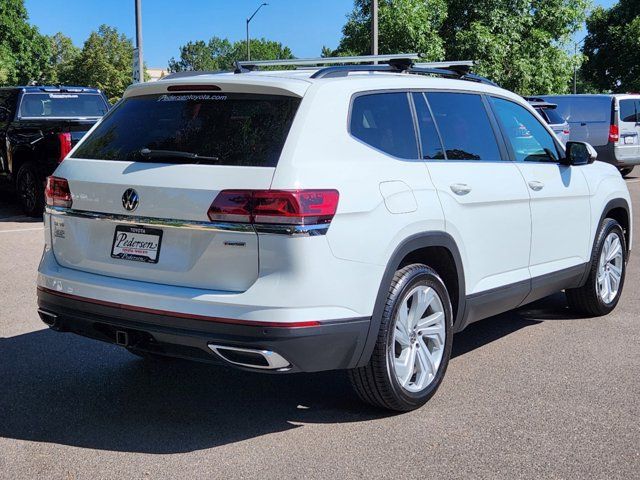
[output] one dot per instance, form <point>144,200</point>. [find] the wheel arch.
<point>619,210</point>
<point>439,251</point>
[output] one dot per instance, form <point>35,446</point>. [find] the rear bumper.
<point>317,346</point>
<point>607,153</point>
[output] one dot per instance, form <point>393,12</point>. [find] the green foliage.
<point>612,47</point>
<point>61,60</point>
<point>221,54</point>
<point>405,26</point>
<point>520,44</point>
<point>24,53</point>
<point>105,62</point>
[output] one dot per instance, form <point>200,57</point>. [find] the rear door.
<point>143,181</point>
<point>560,205</point>
<point>485,200</point>
<point>628,147</point>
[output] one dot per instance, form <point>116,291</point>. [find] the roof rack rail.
<point>294,62</point>
<point>397,63</point>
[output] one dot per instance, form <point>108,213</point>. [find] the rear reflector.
<point>614,134</point>
<point>64,139</point>
<point>57,193</point>
<point>279,207</point>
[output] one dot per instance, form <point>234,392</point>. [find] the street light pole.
<point>374,27</point>
<point>575,67</point>
<point>249,21</point>
<point>139,40</point>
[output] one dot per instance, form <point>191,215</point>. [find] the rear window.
<point>582,109</point>
<point>628,111</point>
<point>214,129</point>
<point>62,105</point>
<point>551,115</point>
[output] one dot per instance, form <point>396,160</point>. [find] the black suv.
<point>38,127</point>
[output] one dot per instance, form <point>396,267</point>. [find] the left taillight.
<point>64,139</point>
<point>57,192</point>
<point>276,207</point>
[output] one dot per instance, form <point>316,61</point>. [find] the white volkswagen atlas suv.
<point>347,217</point>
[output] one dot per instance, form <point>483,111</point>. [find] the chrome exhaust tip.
<point>251,358</point>
<point>51,319</point>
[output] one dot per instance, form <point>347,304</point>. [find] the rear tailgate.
<point>140,203</point>
<point>173,200</point>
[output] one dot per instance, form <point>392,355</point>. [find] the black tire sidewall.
<point>38,192</point>
<point>607,227</point>
<point>421,275</point>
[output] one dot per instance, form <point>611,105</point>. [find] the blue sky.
<point>304,25</point>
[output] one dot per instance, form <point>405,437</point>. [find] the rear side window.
<point>384,121</point>
<point>628,111</point>
<point>62,105</point>
<point>464,126</point>
<point>213,129</point>
<point>552,116</point>
<point>530,141</point>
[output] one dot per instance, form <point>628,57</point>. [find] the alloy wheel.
<point>418,338</point>
<point>610,268</point>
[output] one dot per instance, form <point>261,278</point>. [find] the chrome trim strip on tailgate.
<point>161,222</point>
<point>291,230</point>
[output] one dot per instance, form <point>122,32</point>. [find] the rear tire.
<point>30,190</point>
<point>626,171</point>
<point>601,292</point>
<point>412,350</point>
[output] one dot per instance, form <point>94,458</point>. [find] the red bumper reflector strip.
<point>189,316</point>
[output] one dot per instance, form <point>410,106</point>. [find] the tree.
<point>105,62</point>
<point>62,58</point>
<point>24,52</point>
<point>221,54</point>
<point>406,26</point>
<point>520,44</point>
<point>612,48</point>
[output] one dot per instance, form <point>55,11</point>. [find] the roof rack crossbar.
<point>328,60</point>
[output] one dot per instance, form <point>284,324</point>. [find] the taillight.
<point>566,132</point>
<point>614,134</point>
<point>57,193</point>
<point>280,207</point>
<point>64,139</point>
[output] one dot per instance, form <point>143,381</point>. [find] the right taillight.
<point>275,207</point>
<point>57,193</point>
<point>614,134</point>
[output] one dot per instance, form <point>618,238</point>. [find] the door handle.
<point>460,188</point>
<point>536,186</point>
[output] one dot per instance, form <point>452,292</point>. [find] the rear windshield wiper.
<point>188,157</point>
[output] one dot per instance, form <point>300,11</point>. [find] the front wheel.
<point>601,293</point>
<point>413,346</point>
<point>30,189</point>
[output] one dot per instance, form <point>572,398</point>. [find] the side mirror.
<point>579,153</point>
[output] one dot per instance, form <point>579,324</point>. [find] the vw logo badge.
<point>130,199</point>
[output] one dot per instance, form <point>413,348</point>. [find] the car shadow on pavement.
<point>61,388</point>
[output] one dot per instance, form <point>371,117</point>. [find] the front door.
<point>560,204</point>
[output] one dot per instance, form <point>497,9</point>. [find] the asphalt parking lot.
<point>536,393</point>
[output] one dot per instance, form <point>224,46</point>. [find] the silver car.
<point>611,123</point>
<point>548,111</point>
